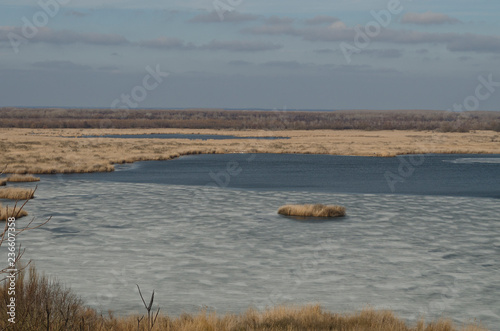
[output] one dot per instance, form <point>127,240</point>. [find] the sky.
<point>251,54</point>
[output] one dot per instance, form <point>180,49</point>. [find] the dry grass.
<point>317,210</point>
<point>16,193</point>
<point>43,304</point>
<point>22,178</point>
<point>18,213</point>
<point>25,151</point>
<point>3,181</point>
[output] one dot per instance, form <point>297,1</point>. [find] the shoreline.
<point>52,151</point>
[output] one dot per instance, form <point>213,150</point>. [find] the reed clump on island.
<point>317,210</point>
<point>16,193</point>
<point>16,178</point>
<point>7,211</point>
<point>44,304</point>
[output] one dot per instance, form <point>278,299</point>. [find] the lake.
<point>180,136</point>
<point>421,236</point>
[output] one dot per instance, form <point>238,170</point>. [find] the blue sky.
<point>335,54</point>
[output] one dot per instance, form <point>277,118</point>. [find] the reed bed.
<point>25,151</point>
<point>16,193</point>
<point>22,178</point>
<point>6,212</point>
<point>44,304</point>
<point>317,210</point>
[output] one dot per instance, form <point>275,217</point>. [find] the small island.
<point>317,210</point>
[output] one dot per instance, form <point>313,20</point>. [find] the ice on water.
<point>228,249</point>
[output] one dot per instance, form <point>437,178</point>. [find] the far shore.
<point>45,151</point>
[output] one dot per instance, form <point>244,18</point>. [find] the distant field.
<point>419,120</point>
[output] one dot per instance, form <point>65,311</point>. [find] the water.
<point>450,175</point>
<point>180,136</point>
<point>225,248</point>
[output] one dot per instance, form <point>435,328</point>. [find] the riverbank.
<point>40,151</point>
<point>44,303</point>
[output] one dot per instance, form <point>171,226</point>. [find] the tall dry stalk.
<point>151,317</point>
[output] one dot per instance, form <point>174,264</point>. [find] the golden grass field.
<point>40,151</point>
<point>317,210</point>
<point>305,318</point>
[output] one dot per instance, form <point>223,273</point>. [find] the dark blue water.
<point>433,174</point>
<point>180,136</point>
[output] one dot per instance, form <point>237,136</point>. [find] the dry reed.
<point>317,210</point>
<point>17,212</point>
<point>22,178</point>
<point>16,193</point>
<point>25,151</point>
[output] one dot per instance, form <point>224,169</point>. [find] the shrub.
<point>242,120</point>
<point>43,304</point>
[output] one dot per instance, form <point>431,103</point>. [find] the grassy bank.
<point>25,150</point>
<point>44,304</point>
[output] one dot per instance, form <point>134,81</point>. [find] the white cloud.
<point>428,18</point>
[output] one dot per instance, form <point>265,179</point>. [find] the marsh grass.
<point>6,212</point>
<point>16,193</point>
<point>22,178</point>
<point>317,210</point>
<point>44,304</point>
<point>25,151</point>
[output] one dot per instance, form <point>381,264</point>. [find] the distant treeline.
<point>444,121</point>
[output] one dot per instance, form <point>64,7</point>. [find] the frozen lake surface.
<point>180,136</point>
<point>225,248</point>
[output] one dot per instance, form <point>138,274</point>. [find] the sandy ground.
<point>61,151</point>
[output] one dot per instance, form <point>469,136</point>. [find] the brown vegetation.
<point>43,304</point>
<point>22,178</point>
<point>16,193</point>
<point>3,181</point>
<point>243,120</point>
<point>25,150</point>
<point>317,210</point>
<point>6,212</point>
